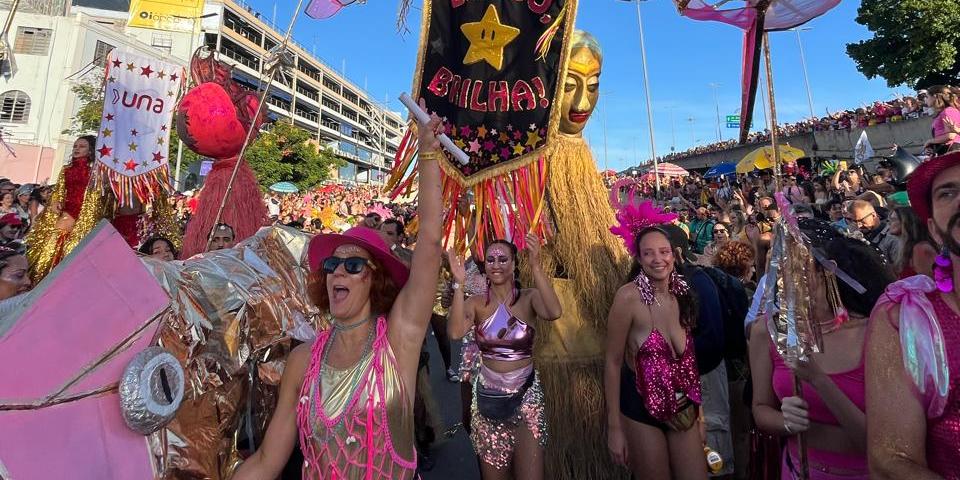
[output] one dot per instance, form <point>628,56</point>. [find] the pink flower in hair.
<point>634,218</point>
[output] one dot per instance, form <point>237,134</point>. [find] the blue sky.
<point>684,57</point>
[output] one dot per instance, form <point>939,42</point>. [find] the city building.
<point>54,52</point>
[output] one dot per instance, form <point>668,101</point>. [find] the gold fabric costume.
<point>47,244</point>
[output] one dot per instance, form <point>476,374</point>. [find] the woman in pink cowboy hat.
<point>348,395</point>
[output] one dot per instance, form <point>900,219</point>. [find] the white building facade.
<point>51,54</point>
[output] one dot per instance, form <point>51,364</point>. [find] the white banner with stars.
<point>133,142</point>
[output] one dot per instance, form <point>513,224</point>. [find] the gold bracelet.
<point>430,156</point>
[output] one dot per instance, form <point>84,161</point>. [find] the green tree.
<point>287,153</point>
<point>89,92</point>
<point>915,42</point>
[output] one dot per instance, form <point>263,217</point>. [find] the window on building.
<point>101,52</point>
<point>32,40</point>
<point>14,106</point>
<point>162,41</point>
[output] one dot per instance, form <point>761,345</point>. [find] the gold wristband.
<point>430,156</point>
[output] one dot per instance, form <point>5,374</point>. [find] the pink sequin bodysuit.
<point>356,423</point>
<point>943,432</point>
<point>661,376</point>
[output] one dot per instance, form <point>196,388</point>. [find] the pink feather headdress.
<point>634,218</point>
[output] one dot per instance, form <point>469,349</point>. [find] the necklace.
<point>332,430</point>
<point>337,326</point>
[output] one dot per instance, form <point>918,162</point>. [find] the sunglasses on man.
<point>352,265</point>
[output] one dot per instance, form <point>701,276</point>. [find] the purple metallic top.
<point>505,337</point>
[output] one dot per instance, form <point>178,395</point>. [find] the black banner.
<point>493,71</point>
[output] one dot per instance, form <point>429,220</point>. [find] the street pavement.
<point>453,457</point>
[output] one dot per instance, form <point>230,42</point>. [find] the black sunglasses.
<point>353,265</point>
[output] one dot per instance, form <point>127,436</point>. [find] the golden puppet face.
<point>581,90</point>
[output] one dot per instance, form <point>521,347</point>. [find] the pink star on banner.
<point>474,145</point>
<point>130,165</point>
<point>465,131</point>
<point>145,71</point>
<point>105,151</point>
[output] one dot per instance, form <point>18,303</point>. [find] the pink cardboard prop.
<point>63,353</point>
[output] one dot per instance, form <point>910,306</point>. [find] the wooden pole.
<point>797,384</point>
<point>773,112</point>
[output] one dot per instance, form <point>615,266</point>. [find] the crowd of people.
<point>879,112</point>
<point>692,368</point>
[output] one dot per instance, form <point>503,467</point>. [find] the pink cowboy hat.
<point>323,245</point>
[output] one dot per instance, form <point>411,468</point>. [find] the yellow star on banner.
<point>130,67</point>
<point>107,132</point>
<point>132,146</point>
<point>159,140</point>
<point>533,138</point>
<point>488,38</point>
<point>518,149</point>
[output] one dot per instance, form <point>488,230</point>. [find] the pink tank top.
<point>661,376</point>
<point>505,337</point>
<point>852,383</point>
<point>943,433</point>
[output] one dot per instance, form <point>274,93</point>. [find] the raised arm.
<point>897,424</point>
<point>411,311</point>
<point>281,436</point>
<point>545,302</point>
<point>460,318</point>
<point>618,326</point>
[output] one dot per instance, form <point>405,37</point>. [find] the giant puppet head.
<point>214,116</point>
<point>213,119</point>
<point>581,88</point>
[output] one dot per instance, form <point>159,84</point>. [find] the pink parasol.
<point>755,18</point>
<point>324,9</point>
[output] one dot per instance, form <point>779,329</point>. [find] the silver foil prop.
<point>235,315</point>
<point>151,390</point>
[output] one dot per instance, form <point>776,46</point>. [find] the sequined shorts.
<point>495,441</point>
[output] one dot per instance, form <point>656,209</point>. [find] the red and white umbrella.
<point>667,169</point>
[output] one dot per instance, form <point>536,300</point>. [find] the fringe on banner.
<point>508,206</point>
<point>145,188</point>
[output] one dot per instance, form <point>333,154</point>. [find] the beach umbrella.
<point>721,169</point>
<point>667,169</point>
<point>763,158</point>
<point>284,187</point>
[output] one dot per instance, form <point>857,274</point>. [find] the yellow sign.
<point>170,15</point>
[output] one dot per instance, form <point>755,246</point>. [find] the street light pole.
<point>803,64</point>
<point>646,88</point>
<point>716,101</point>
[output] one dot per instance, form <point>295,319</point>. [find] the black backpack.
<point>735,303</point>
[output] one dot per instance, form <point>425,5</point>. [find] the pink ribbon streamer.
<point>921,340</point>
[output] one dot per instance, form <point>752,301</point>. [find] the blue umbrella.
<point>720,169</point>
<point>284,187</point>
